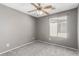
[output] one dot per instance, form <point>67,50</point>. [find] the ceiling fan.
<point>39,7</point>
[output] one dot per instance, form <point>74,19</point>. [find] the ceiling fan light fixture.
<point>42,10</point>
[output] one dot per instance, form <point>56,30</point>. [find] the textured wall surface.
<point>16,28</point>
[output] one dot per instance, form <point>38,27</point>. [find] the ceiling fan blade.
<point>45,12</point>
<point>32,10</point>
<point>34,5</point>
<point>49,6</point>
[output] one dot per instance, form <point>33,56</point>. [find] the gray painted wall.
<point>78,27</point>
<point>43,29</point>
<point>16,28</point>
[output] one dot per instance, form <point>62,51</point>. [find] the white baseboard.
<point>17,47</point>
<point>58,45</point>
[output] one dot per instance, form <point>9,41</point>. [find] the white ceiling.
<point>24,7</point>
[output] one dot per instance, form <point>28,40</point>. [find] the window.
<point>58,27</point>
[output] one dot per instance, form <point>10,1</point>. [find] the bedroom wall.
<point>78,27</point>
<point>16,28</point>
<point>43,29</point>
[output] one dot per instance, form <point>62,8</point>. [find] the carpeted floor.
<point>41,49</point>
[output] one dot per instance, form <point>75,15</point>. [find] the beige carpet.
<point>41,49</point>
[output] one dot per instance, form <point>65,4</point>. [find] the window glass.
<point>58,27</point>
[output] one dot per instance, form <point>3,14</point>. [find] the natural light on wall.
<point>58,27</point>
